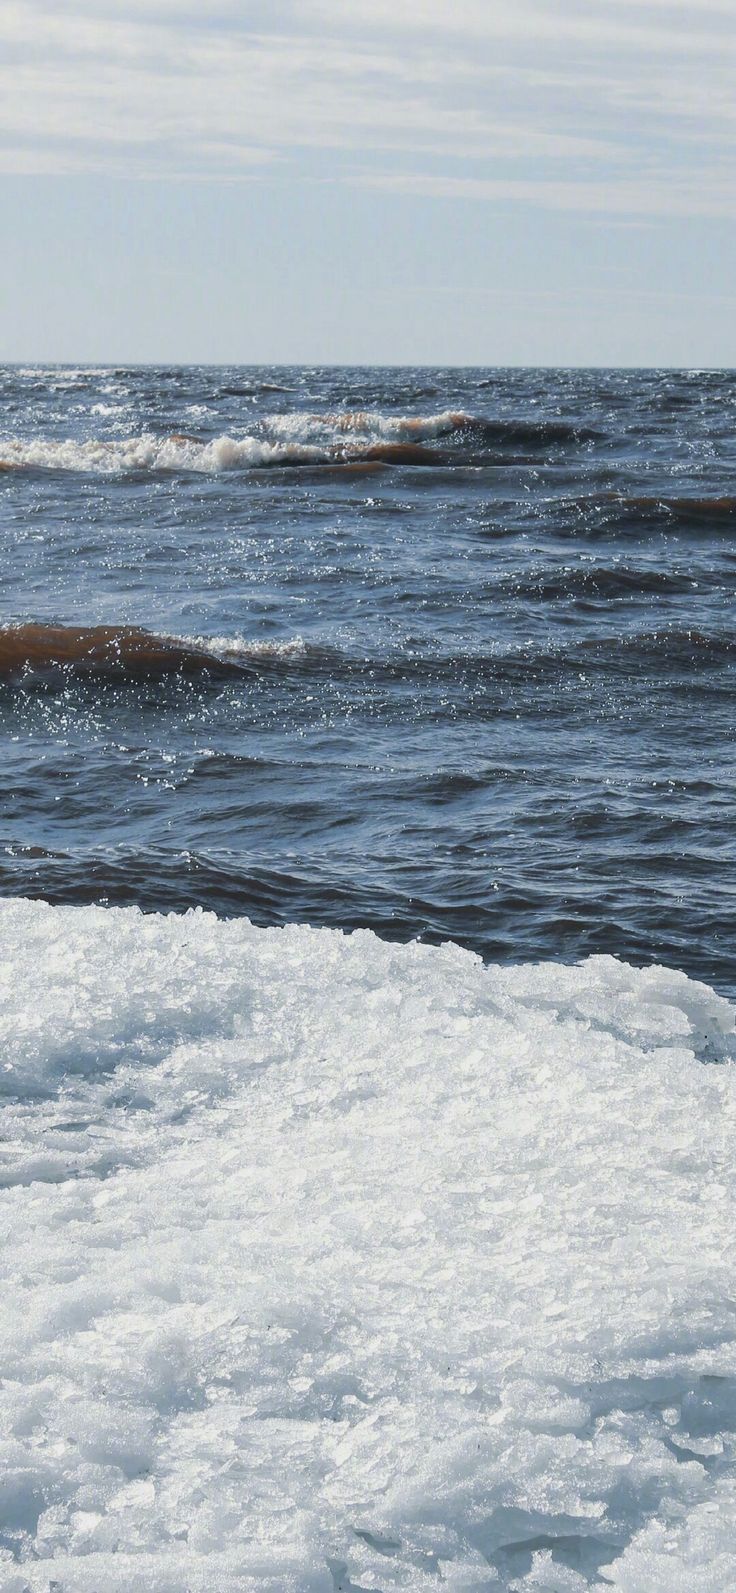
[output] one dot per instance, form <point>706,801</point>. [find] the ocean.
<point>367,910</point>
<point>462,652</point>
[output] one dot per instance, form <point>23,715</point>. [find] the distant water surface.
<point>443,653</point>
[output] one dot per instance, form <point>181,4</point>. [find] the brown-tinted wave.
<point>299,441</point>
<point>671,506</point>
<point>531,435</point>
<point>115,651</point>
<point>127,653</point>
<point>401,453</point>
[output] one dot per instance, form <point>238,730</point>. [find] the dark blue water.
<point>458,652</point>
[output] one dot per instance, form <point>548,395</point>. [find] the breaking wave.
<point>341,438</point>
<point>121,652</point>
<point>127,652</point>
<point>295,439</point>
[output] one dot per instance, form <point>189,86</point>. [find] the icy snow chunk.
<point>332,1263</point>
<point>682,1554</point>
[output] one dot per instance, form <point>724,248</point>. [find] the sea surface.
<point>330,1262</point>
<point>448,654</point>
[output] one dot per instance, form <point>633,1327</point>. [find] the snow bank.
<point>335,1264</point>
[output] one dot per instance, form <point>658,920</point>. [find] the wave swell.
<point>128,652</point>
<point>646,508</point>
<point>286,440</point>
<point>339,438</point>
<point>106,650</point>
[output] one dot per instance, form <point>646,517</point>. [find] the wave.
<point>668,646</point>
<point>184,452</point>
<point>133,455</point>
<point>671,648</point>
<point>287,440</point>
<point>672,644</point>
<point>116,651</point>
<point>648,507</point>
<point>129,652</point>
<point>534,434</point>
<point>371,424</point>
<point>598,581</point>
<point>132,652</point>
<point>334,438</point>
<point>685,507</point>
<point>68,373</point>
<point>255,389</point>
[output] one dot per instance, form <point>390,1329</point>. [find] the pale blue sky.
<point>482,181</point>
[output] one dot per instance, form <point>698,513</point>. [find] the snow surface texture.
<point>332,1264</point>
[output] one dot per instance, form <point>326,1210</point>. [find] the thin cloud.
<point>643,197</point>
<point>618,107</point>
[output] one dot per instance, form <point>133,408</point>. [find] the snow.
<point>334,1264</point>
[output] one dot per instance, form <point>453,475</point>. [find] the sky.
<point>471,182</point>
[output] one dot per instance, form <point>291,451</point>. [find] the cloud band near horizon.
<point>626,109</point>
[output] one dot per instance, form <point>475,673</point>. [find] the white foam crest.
<point>245,647</point>
<point>63,373</point>
<point>112,457</point>
<point>367,424</point>
<point>332,1262</point>
<point>282,439</point>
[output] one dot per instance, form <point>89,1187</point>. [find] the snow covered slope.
<point>329,1263</point>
